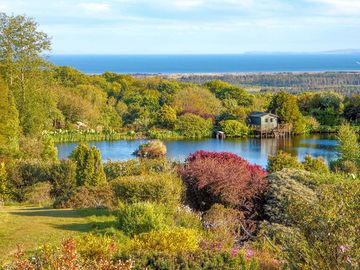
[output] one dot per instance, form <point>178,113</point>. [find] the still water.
<point>254,150</point>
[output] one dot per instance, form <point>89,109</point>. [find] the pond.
<point>252,149</point>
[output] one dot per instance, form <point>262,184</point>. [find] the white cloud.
<point>94,7</point>
<point>340,6</point>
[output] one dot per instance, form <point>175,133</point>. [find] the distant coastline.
<point>145,65</point>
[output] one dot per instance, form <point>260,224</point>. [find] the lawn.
<point>32,227</point>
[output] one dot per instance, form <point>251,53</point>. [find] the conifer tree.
<point>3,182</point>
<point>50,151</point>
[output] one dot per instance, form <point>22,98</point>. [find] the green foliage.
<point>197,99</point>
<point>286,107</point>
<point>9,121</point>
<point>225,91</point>
<point>115,169</point>
<point>167,117</point>
<point>152,149</point>
<point>3,182</point>
<point>49,152</point>
<point>88,197</point>
<point>162,188</point>
<point>349,148</point>
<point>194,126</point>
<point>286,186</point>
<point>282,160</point>
<point>352,109</point>
<point>234,128</point>
<point>171,241</point>
<point>142,217</point>
<point>38,194</point>
<point>324,235</point>
<point>89,168</point>
<point>315,165</point>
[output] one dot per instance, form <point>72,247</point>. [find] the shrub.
<point>324,235</point>
<point>221,178</point>
<point>224,223</point>
<point>152,149</point>
<point>88,197</point>
<point>89,168</point>
<point>283,160</point>
<point>142,217</point>
<point>63,178</point>
<point>4,189</point>
<point>67,257</point>
<point>315,165</point>
<point>157,188</point>
<point>201,259</point>
<point>173,240</point>
<point>349,148</point>
<point>38,193</point>
<point>234,128</point>
<point>284,187</point>
<point>115,169</point>
<point>227,179</point>
<point>185,217</point>
<point>193,126</point>
<point>344,166</point>
<point>167,117</point>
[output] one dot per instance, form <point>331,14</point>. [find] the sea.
<point>188,64</point>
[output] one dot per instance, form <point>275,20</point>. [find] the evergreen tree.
<point>89,167</point>
<point>50,151</point>
<point>9,121</point>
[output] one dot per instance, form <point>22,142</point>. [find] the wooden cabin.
<point>266,121</point>
<point>267,125</point>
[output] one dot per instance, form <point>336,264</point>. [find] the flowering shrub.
<point>163,188</point>
<point>172,240</point>
<point>67,257</point>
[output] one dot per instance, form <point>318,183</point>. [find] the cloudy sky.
<point>193,26</point>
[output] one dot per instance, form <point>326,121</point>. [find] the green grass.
<point>32,227</point>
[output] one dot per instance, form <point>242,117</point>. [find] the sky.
<point>193,26</point>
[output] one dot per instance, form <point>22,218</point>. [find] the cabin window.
<point>271,120</point>
<point>266,120</point>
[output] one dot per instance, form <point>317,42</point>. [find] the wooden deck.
<point>281,131</point>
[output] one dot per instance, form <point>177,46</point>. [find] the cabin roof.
<point>261,114</point>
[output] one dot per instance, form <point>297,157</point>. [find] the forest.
<point>213,211</point>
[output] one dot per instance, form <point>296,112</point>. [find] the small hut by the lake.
<point>267,124</point>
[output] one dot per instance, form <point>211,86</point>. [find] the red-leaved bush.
<point>224,178</point>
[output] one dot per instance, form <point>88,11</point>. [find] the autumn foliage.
<point>222,178</point>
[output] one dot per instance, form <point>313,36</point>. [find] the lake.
<point>166,64</point>
<point>252,149</point>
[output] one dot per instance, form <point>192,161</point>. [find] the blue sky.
<point>194,26</point>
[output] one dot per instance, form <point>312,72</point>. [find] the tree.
<point>9,121</point>
<point>234,128</point>
<point>22,66</point>
<point>194,126</point>
<point>50,151</point>
<point>349,149</point>
<point>89,168</point>
<point>167,117</point>
<point>286,107</point>
<point>352,109</point>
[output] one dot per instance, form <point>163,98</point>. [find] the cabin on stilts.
<point>266,125</point>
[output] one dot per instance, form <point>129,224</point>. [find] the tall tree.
<point>9,121</point>
<point>349,149</point>
<point>22,66</point>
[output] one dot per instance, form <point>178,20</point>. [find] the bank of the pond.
<point>253,149</point>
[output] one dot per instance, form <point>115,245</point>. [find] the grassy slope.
<point>35,226</point>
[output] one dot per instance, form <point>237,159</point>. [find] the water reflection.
<point>254,150</point>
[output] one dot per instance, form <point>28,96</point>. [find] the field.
<point>32,227</point>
